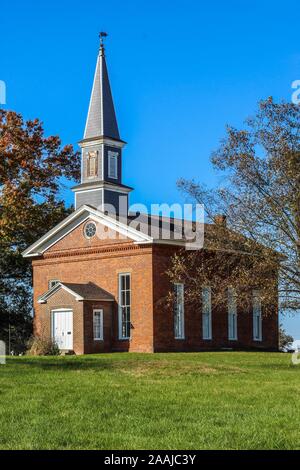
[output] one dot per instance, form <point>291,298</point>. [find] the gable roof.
<point>81,292</point>
<point>144,228</point>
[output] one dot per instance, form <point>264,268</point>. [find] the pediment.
<point>77,239</point>
<point>69,233</point>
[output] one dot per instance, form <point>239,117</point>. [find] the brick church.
<point>98,279</point>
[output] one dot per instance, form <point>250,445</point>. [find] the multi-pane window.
<point>206,313</point>
<point>112,165</point>
<point>232,314</point>
<point>98,324</point>
<point>257,316</point>
<point>52,283</point>
<point>179,311</point>
<point>124,305</point>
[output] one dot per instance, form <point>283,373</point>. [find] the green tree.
<point>32,168</point>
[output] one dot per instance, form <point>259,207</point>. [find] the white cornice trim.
<point>87,190</point>
<point>101,140</point>
<point>102,185</point>
<point>65,234</point>
<point>31,250</point>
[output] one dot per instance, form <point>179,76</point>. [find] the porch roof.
<point>88,291</point>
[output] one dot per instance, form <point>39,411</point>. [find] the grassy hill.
<point>226,400</point>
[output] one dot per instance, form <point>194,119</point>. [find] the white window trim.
<point>97,311</point>
<point>182,337</point>
<point>51,281</point>
<point>209,336</point>
<point>122,338</point>
<point>232,312</point>
<point>114,156</point>
<point>256,298</point>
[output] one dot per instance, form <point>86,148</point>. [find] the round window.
<point>90,230</point>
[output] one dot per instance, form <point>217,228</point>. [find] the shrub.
<point>39,346</point>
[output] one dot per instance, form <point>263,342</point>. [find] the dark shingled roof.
<point>101,118</point>
<point>89,291</point>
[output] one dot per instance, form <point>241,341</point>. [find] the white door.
<point>62,328</point>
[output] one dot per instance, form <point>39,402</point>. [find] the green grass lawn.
<point>226,400</point>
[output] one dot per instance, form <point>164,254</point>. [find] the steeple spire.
<point>101,120</point>
<point>101,149</point>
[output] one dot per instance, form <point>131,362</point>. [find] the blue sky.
<point>180,71</point>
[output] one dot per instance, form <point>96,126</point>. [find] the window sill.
<point>98,339</point>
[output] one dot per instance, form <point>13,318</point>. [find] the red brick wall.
<point>83,331</point>
<point>164,325</point>
<point>75,260</point>
<point>61,299</point>
<point>101,265</point>
<point>90,344</point>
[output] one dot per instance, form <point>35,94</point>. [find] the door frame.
<point>60,310</point>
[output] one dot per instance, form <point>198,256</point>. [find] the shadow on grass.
<point>159,363</point>
<point>129,366</point>
<point>63,363</point>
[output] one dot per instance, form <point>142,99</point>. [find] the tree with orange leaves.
<point>32,170</point>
